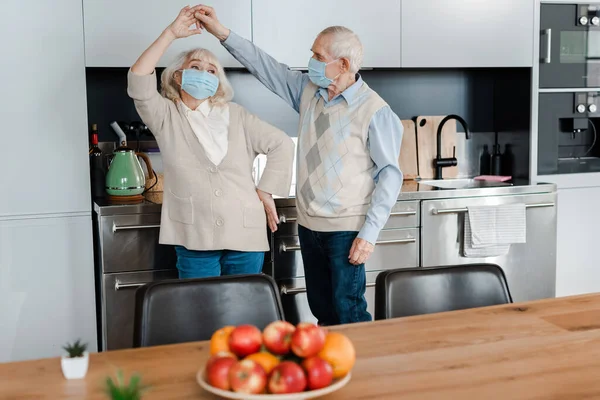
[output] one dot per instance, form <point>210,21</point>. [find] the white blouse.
<point>210,124</point>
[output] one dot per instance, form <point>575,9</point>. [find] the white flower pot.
<point>75,368</point>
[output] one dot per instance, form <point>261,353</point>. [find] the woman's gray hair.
<point>345,44</point>
<point>170,88</point>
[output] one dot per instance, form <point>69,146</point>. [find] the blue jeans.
<point>204,264</point>
<point>334,287</point>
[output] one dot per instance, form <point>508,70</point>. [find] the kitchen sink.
<point>462,183</point>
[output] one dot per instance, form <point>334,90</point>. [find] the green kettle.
<point>125,175</point>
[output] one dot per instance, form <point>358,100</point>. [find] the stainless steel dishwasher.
<point>397,247</point>
<point>530,267</point>
<point>127,256</point>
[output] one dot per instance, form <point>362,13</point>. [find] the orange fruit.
<point>339,352</point>
<point>266,360</point>
<point>220,340</point>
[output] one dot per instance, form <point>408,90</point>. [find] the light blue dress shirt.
<point>385,128</point>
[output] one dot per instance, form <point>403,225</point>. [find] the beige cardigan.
<point>209,207</point>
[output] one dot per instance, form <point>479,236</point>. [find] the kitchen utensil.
<point>426,142</point>
<point>310,394</point>
<point>125,176</point>
<point>408,151</point>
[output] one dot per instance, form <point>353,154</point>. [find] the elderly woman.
<point>212,212</point>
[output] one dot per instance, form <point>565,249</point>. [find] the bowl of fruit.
<point>283,362</point>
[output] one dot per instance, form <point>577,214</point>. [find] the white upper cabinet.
<point>287,29</point>
<point>117,31</point>
<point>43,160</point>
<point>467,33</point>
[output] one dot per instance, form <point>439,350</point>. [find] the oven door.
<point>569,45</point>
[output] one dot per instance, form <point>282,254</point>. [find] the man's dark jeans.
<point>335,288</point>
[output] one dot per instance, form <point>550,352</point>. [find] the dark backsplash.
<point>491,99</point>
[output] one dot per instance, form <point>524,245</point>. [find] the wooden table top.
<point>548,349</point>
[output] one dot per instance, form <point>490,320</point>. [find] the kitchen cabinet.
<point>467,33</point>
<point>43,157</point>
<point>117,32</point>
<point>46,286</point>
<point>578,265</point>
<point>286,30</point>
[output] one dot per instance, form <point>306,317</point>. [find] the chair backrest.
<point>177,311</point>
<point>415,291</point>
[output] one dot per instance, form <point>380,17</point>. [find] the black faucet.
<point>440,162</point>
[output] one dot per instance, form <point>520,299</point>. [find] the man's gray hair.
<point>345,44</point>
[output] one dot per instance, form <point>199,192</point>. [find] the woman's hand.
<point>208,17</point>
<point>180,28</point>
<point>270,210</point>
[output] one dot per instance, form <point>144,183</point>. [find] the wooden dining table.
<point>545,349</point>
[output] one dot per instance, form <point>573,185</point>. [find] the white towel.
<point>490,230</point>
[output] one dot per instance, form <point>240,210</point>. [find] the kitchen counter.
<point>411,190</point>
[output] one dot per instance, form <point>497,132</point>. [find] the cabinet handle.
<point>119,285</point>
<point>283,219</point>
<point>116,227</point>
<point>547,58</point>
<point>462,210</point>
<point>412,212</point>
<point>397,241</point>
<point>284,289</point>
<point>286,248</point>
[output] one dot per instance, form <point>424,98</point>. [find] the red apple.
<point>248,377</point>
<point>308,340</point>
<point>318,371</point>
<point>277,337</point>
<point>218,355</point>
<point>245,340</point>
<point>287,377</point>
<point>217,371</point>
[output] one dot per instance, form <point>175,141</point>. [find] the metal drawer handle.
<point>285,248</point>
<point>119,285</point>
<point>285,290</point>
<point>283,219</point>
<point>412,212</point>
<point>547,58</point>
<point>116,227</point>
<point>398,241</point>
<point>462,210</point>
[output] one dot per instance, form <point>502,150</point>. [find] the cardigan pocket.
<point>254,217</point>
<point>181,209</point>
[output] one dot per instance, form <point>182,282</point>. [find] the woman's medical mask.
<point>316,73</point>
<point>199,84</point>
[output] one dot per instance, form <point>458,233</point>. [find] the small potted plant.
<point>75,364</point>
<point>121,391</point>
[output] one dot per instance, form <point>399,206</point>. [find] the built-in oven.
<point>569,45</point>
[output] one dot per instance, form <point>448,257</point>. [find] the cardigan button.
<point>219,222</point>
<point>218,192</point>
<point>213,169</point>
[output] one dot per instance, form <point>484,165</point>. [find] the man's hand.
<point>208,18</point>
<point>270,210</point>
<point>360,252</point>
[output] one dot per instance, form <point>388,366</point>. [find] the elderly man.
<point>348,176</point>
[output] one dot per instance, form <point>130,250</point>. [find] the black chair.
<point>415,291</point>
<point>177,311</point>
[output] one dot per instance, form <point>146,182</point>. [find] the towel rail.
<point>435,211</point>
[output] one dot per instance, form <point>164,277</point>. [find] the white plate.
<point>311,394</point>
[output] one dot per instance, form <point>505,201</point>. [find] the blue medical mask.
<point>316,73</point>
<point>199,84</point>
